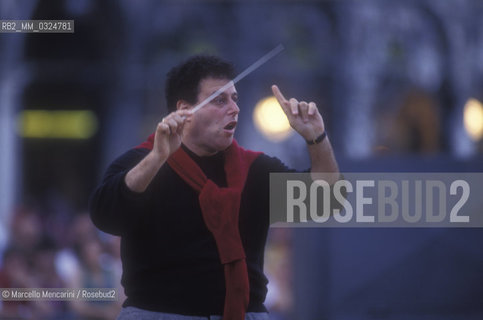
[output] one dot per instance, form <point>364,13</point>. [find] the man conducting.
<point>192,206</point>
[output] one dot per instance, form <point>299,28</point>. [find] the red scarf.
<point>220,208</point>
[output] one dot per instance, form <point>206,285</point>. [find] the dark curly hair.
<point>183,80</point>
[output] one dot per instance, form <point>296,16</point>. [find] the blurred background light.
<point>473,119</point>
<point>57,124</point>
<point>270,120</point>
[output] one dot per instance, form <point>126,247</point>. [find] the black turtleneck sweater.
<point>170,259</point>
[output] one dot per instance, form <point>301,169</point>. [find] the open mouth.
<point>230,126</point>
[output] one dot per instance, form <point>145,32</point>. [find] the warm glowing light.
<point>270,120</point>
<point>57,124</point>
<point>473,119</point>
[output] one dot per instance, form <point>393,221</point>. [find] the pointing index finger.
<point>278,94</point>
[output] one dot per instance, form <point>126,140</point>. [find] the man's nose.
<point>233,108</point>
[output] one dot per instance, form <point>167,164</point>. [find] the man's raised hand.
<point>303,117</point>
<point>167,138</point>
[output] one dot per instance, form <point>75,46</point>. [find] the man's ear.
<point>182,105</point>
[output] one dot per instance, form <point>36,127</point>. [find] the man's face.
<point>211,128</point>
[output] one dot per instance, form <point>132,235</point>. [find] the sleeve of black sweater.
<point>112,199</point>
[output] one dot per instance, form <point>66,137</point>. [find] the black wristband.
<point>319,139</point>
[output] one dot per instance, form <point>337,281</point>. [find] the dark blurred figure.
<point>14,273</point>
<point>414,127</point>
<point>17,268</point>
<point>26,229</point>
<point>96,270</point>
<point>278,257</point>
<point>45,274</point>
<point>80,230</point>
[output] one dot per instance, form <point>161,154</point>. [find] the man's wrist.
<point>158,156</point>
<point>318,139</point>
